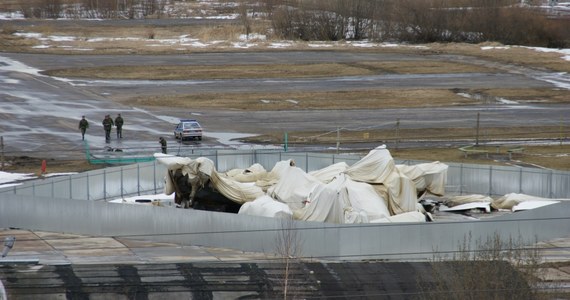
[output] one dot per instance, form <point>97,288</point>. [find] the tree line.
<point>91,9</point>
<point>512,22</point>
<point>418,21</point>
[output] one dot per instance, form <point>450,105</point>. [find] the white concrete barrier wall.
<point>403,241</point>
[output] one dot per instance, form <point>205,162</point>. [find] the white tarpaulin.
<point>464,199</point>
<point>265,206</point>
<point>252,174</point>
<point>372,189</point>
<point>238,192</point>
<point>378,167</point>
<point>327,174</point>
<point>361,197</point>
<point>401,191</point>
<point>510,201</point>
<point>322,205</point>
<point>293,187</point>
<point>174,163</point>
<point>375,167</point>
<point>427,176</point>
<point>201,170</point>
<point>486,206</point>
<point>343,201</point>
<point>271,178</point>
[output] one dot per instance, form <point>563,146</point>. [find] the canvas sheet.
<point>427,176</point>
<point>265,206</point>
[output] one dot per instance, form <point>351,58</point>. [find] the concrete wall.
<point>403,241</point>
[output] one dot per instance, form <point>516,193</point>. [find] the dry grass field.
<point>268,71</point>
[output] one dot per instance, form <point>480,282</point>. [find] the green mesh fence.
<point>118,159</point>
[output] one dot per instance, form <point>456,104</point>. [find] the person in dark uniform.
<point>119,123</point>
<point>107,125</point>
<point>162,142</point>
<point>83,125</point>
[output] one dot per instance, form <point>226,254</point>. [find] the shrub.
<point>494,269</point>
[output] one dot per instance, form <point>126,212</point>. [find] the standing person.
<point>162,142</point>
<point>107,125</point>
<point>119,123</point>
<point>83,125</point>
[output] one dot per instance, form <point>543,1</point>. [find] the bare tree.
<point>52,8</point>
<point>284,22</point>
<point>244,17</point>
<point>288,246</point>
<point>30,9</point>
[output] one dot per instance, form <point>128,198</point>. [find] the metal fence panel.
<point>406,241</point>
<point>536,182</point>
<point>317,161</point>
<point>47,187</point>
<point>144,177</point>
<point>475,179</point>
<point>268,159</point>
<point>79,187</point>
<point>560,185</point>
<point>113,182</point>
<point>151,178</point>
<point>504,180</point>
<point>349,159</point>
<point>95,187</point>
<point>300,159</point>
<point>236,159</point>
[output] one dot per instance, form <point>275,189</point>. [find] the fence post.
<point>122,173</point>
<point>154,176</point>
<point>520,181</point>
<point>461,179</point>
<point>550,182</point>
<point>2,153</point>
<point>490,180</point>
<point>139,179</point>
<point>88,187</point>
<point>104,184</point>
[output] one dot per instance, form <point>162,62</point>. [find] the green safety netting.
<point>116,158</point>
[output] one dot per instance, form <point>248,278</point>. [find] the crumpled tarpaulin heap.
<point>373,189</point>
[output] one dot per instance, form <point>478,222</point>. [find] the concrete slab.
<point>58,248</point>
<point>83,243</point>
<point>552,274</point>
<point>82,251</point>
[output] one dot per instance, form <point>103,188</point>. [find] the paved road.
<point>145,87</point>
<point>39,114</point>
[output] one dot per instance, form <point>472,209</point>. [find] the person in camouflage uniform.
<point>162,142</point>
<point>108,125</point>
<point>83,125</point>
<point>119,123</point>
